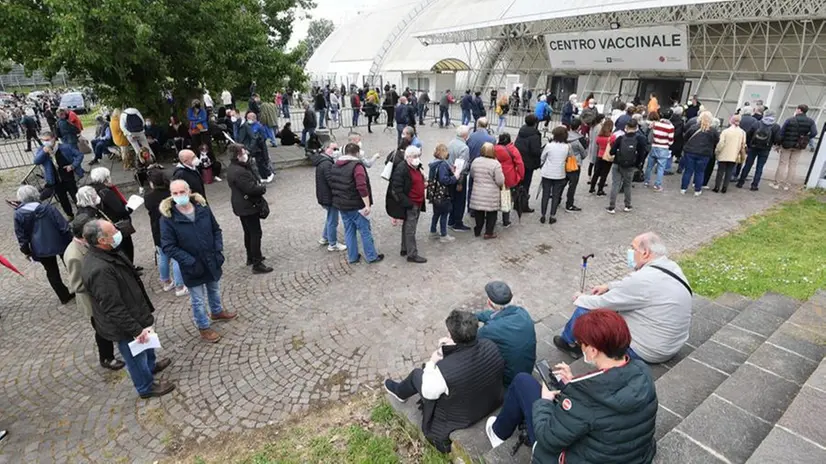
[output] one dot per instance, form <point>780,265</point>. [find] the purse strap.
<point>676,277</point>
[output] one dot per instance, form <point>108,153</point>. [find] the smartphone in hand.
<point>548,378</point>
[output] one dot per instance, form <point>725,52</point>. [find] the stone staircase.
<point>746,387</point>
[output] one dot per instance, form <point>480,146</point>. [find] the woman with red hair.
<point>606,416</point>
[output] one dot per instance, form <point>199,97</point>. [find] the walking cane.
<point>584,270</point>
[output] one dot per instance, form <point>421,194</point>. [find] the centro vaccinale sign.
<point>660,48</point>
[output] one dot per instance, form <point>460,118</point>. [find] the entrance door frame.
<point>685,92</point>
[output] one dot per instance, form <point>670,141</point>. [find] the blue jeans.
<point>101,147</point>
<point>304,133</point>
<point>440,215</point>
<point>163,268</point>
<point>198,296</point>
<point>457,213</point>
<point>465,117</point>
<point>501,124</point>
<point>761,155</point>
<point>399,130</point>
<point>444,116</point>
<point>139,367</point>
<point>271,135</point>
<point>657,157</point>
<point>330,232</point>
<point>321,116</point>
<point>285,110</point>
<point>568,331</point>
<point>523,391</point>
<point>355,117</point>
<point>694,165</point>
<point>668,164</point>
<point>355,223</point>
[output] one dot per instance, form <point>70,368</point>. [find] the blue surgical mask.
<point>630,259</point>
<point>182,200</point>
<point>117,239</point>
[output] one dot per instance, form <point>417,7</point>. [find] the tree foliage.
<point>317,32</point>
<point>133,51</point>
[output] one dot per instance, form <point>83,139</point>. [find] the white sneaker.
<point>167,286</point>
<point>140,190</point>
<point>774,185</point>
<point>217,179</point>
<point>494,440</point>
<point>785,187</point>
<point>182,291</point>
<point>269,179</point>
<point>682,191</point>
<point>706,187</point>
<point>447,238</point>
<point>322,241</point>
<point>337,247</point>
<point>697,194</point>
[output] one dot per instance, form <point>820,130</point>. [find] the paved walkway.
<point>316,330</point>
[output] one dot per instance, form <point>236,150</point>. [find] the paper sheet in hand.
<point>460,164</point>
<point>134,202</point>
<point>138,348</point>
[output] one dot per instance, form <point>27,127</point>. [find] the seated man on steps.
<point>511,328</point>
<point>655,300</point>
<point>459,386</point>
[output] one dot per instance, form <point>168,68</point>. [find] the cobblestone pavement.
<point>314,331</point>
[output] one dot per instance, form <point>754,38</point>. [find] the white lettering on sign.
<point>654,48</point>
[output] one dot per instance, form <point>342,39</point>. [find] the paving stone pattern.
<point>314,331</point>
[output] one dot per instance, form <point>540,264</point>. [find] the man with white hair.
<point>655,301</point>
<point>187,170</point>
<point>569,110</point>
<point>457,149</point>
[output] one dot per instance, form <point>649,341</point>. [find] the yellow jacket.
<point>732,145</point>
<point>117,133</point>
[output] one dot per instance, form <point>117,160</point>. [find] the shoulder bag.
<point>570,162</point>
<point>124,225</point>
<point>676,277</point>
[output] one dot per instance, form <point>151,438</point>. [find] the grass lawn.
<point>782,251</point>
<point>364,430</point>
<point>88,118</point>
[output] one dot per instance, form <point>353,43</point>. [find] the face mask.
<point>250,121</point>
<point>49,144</point>
<point>244,158</point>
<point>116,239</point>
<point>196,162</point>
<point>415,162</point>
<point>234,119</point>
<point>629,259</point>
<point>181,200</point>
<point>204,153</point>
<point>148,123</point>
<point>585,358</point>
<point>359,144</point>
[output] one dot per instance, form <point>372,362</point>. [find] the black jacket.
<point>607,418</point>
<point>111,205</point>
<point>254,106</point>
<point>529,144</point>
<point>397,201</point>
<point>794,127</point>
<point>342,181</point>
<point>310,119</point>
<point>252,139</point>
<point>775,137</point>
<point>245,188</point>
<point>323,192</point>
<point>120,304</point>
<point>473,373</point>
<point>192,177</point>
<point>679,135</point>
<point>152,201</point>
<point>703,144</point>
<point>319,102</point>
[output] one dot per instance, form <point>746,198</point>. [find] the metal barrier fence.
<point>13,153</point>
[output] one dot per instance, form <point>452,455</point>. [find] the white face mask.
<point>204,153</point>
<point>234,118</point>
<point>196,162</point>
<point>587,361</point>
<point>244,158</point>
<point>359,144</point>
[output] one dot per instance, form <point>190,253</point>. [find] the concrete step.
<point>737,415</point>
<point>799,435</point>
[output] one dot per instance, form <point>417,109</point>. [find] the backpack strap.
<point>675,276</point>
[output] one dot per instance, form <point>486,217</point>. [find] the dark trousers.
<point>601,171</point>
<point>486,219</point>
<point>411,221</point>
<point>552,188</point>
<point>458,210</point>
<point>708,171</point>
<point>527,181</point>
<point>411,385</point>
<point>53,275</point>
<point>127,246</point>
<point>444,116</point>
<point>389,111</point>
<point>66,192</point>
<point>31,135</point>
<point>102,146</point>
<point>518,407</point>
<point>106,348</point>
<point>760,155</point>
<point>573,181</point>
<point>724,173</point>
<point>590,169</point>
<point>262,162</point>
<point>252,237</point>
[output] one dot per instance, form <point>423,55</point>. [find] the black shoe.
<point>94,162</point>
<point>753,188</point>
<point>378,259</point>
<point>161,364</point>
<point>261,268</point>
<point>551,220</point>
<point>668,173</point>
<point>573,350</point>
<point>739,184</point>
<point>159,389</point>
<point>601,193</point>
<point>573,209</point>
<point>529,210</point>
<point>542,219</point>
<point>392,388</point>
<point>402,253</point>
<point>112,364</point>
<point>715,190</point>
<point>67,300</point>
<point>358,258</point>
<point>679,171</point>
<point>416,259</point>
<point>723,190</point>
<point>592,191</point>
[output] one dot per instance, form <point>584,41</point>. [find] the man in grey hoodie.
<point>577,143</point>
<point>759,139</point>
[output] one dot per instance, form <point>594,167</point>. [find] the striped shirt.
<point>663,134</point>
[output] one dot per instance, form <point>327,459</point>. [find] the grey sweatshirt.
<point>656,307</point>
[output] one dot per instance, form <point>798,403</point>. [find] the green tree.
<point>317,32</point>
<point>135,51</point>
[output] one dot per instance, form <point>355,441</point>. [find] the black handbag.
<point>261,205</point>
<point>124,225</point>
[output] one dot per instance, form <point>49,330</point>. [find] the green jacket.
<point>605,417</point>
<point>512,330</point>
<point>269,114</point>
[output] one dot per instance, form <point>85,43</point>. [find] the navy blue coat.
<point>512,329</point>
<point>197,245</point>
<point>41,230</point>
<point>64,156</point>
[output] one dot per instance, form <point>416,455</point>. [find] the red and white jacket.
<point>663,132</point>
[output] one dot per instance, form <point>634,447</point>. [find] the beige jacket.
<point>73,257</point>
<point>488,179</point>
<point>732,145</point>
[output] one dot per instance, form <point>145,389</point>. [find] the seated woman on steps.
<point>606,417</point>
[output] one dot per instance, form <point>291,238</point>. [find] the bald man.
<point>187,170</point>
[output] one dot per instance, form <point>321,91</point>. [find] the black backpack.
<point>762,137</point>
<point>627,151</point>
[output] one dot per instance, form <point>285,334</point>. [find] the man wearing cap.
<point>511,328</point>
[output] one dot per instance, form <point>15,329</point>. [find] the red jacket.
<point>512,165</point>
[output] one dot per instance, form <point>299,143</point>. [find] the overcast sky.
<point>334,10</point>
